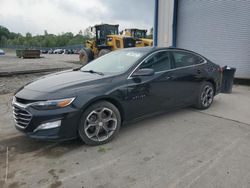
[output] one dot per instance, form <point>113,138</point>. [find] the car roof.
<point>140,49</point>
<point>150,49</point>
<point>153,48</point>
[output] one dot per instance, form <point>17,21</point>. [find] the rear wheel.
<point>205,96</point>
<point>103,52</point>
<point>85,56</point>
<point>99,123</point>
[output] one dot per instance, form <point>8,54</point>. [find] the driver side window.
<point>158,62</point>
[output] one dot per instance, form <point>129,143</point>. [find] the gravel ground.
<point>10,63</point>
<point>12,83</point>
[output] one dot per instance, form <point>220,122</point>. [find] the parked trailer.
<point>28,53</point>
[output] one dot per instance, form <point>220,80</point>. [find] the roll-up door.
<point>219,30</point>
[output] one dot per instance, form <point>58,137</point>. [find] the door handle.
<point>198,71</point>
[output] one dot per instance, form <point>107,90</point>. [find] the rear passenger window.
<point>183,59</point>
<point>159,62</point>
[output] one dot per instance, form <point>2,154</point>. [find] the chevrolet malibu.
<point>93,101</point>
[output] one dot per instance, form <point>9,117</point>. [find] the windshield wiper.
<point>77,69</point>
<point>93,72</point>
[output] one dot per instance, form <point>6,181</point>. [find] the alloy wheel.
<point>100,124</point>
<point>207,96</point>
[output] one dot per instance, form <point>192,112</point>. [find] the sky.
<point>57,16</point>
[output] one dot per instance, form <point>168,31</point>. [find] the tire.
<point>85,56</point>
<point>103,52</point>
<point>205,96</point>
<point>99,123</point>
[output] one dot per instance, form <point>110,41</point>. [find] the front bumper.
<point>28,119</point>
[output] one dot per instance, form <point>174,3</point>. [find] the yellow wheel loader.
<point>140,35</point>
<point>106,39</point>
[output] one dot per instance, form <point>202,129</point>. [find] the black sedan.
<point>93,101</point>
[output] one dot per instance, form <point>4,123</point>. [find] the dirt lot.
<point>184,148</point>
<point>11,83</point>
<point>49,63</point>
<point>10,63</point>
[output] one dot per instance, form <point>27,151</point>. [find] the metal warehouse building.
<point>217,29</point>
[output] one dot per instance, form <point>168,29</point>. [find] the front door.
<point>149,94</point>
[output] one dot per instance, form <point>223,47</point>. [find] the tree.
<point>28,35</point>
<point>45,40</point>
<point>4,31</point>
<point>3,40</point>
<point>88,33</point>
<point>151,33</point>
<point>4,35</point>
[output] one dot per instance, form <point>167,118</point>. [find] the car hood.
<point>62,80</point>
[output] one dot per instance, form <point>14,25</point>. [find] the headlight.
<point>138,42</point>
<point>52,104</point>
<point>109,39</point>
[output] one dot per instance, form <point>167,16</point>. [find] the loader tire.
<point>85,56</point>
<point>103,52</point>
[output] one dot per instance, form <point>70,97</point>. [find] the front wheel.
<point>99,123</point>
<point>85,56</point>
<point>103,52</point>
<point>205,96</point>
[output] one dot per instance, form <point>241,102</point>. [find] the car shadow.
<point>22,144</point>
<point>145,121</point>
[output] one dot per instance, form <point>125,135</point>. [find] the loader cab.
<point>137,33</point>
<point>140,36</point>
<point>102,31</point>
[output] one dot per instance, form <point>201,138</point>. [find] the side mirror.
<point>144,72</point>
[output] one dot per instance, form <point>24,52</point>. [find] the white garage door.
<point>219,30</point>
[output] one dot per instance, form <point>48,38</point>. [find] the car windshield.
<point>114,63</point>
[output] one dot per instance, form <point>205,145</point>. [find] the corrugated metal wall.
<point>218,29</point>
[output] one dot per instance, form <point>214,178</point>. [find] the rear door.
<point>187,74</point>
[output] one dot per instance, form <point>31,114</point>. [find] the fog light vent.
<point>48,125</point>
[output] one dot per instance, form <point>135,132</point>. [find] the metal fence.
<point>77,47</point>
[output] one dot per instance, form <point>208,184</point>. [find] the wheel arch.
<point>213,83</point>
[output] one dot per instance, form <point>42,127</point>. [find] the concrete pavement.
<point>184,148</point>
<point>235,106</point>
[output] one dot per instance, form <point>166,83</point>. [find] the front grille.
<point>23,101</point>
<point>21,116</point>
